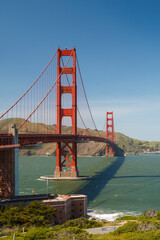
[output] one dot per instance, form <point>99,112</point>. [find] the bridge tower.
<point>109,133</point>
<point>66,153</point>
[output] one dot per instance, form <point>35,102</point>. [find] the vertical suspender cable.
<point>86,96</point>
<point>30,86</point>
<point>44,96</point>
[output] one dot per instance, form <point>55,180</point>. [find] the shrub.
<point>150,212</point>
<point>82,223</point>
<point>151,235</point>
<point>127,218</point>
<point>158,215</point>
<point>37,234</point>
<point>128,227</point>
<point>70,232</point>
<point>35,213</point>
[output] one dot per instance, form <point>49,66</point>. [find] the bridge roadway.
<point>6,140</point>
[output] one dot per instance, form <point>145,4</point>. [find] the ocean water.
<point>121,185</point>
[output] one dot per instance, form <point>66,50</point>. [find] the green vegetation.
<point>82,223</point>
<point>37,220</point>
<point>146,226</point>
<point>126,228</point>
<point>14,220</point>
<point>46,233</point>
<point>34,214</point>
<point>127,218</point>
<point>131,145</point>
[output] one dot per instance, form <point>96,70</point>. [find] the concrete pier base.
<point>66,178</point>
<point>63,174</point>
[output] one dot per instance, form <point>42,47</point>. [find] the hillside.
<point>129,145</point>
<point>38,221</point>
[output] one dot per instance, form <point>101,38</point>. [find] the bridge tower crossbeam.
<point>66,152</point>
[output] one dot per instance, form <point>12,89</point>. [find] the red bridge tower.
<point>66,153</point>
<point>109,133</point>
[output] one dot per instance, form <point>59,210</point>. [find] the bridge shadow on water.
<point>93,187</point>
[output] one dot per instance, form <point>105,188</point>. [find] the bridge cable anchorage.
<point>30,86</point>
<point>77,107</point>
<point>86,97</point>
<point>46,94</point>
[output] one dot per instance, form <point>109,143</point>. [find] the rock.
<point>94,218</point>
<point>151,213</point>
<point>146,227</point>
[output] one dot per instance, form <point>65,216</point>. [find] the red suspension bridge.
<point>41,115</point>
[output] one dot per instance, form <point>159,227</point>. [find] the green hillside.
<point>129,145</point>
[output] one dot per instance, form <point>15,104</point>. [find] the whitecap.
<point>111,216</point>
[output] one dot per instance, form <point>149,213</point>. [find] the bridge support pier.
<point>9,160</point>
<point>109,151</point>
<point>69,154</point>
<point>66,151</point>
<point>7,173</point>
<point>16,154</point>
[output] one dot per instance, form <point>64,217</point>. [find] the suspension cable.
<point>30,86</point>
<point>46,94</point>
<point>86,97</point>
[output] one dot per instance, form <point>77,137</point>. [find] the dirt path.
<point>102,230</point>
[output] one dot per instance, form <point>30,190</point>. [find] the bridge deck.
<point>34,138</point>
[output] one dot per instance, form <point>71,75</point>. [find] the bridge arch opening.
<point>66,125</point>
<point>66,100</point>
<point>64,60</point>
<point>66,80</point>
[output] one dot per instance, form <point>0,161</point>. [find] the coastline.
<point>110,216</point>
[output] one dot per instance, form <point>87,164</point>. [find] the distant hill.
<point>132,145</point>
<point>129,145</point>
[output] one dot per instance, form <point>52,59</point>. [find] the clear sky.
<point>118,47</point>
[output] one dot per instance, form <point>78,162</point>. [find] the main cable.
<point>86,97</point>
<point>30,86</point>
<point>46,94</point>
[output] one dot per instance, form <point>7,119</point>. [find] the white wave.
<point>111,216</point>
<point>39,179</point>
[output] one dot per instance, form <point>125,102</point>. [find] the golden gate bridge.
<point>38,116</point>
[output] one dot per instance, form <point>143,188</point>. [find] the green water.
<point>120,185</point>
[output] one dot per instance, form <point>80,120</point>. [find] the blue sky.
<point>118,47</point>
